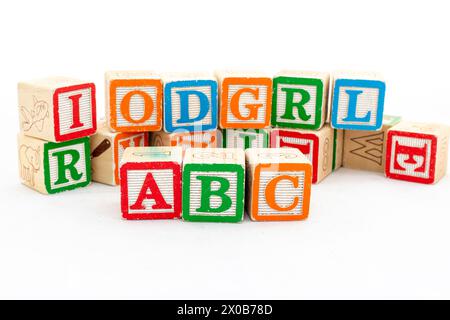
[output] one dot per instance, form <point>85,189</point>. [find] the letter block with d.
<point>300,99</point>
<point>213,185</point>
<point>52,167</point>
<point>150,183</point>
<point>278,184</point>
<point>417,152</point>
<point>57,109</point>
<point>133,101</point>
<point>357,101</point>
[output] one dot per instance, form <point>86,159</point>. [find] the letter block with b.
<point>150,183</point>
<point>278,184</point>
<point>213,185</point>
<point>51,167</point>
<point>57,109</point>
<point>417,152</point>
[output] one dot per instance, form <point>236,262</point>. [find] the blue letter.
<point>351,111</point>
<point>184,105</point>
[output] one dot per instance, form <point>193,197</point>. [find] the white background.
<point>367,237</point>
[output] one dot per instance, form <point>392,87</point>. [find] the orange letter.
<point>253,108</point>
<point>270,193</point>
<point>125,106</point>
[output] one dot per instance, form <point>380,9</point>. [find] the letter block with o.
<point>52,167</point>
<point>300,99</point>
<point>57,109</point>
<point>417,152</point>
<point>323,147</point>
<point>150,183</point>
<point>133,101</point>
<point>213,185</point>
<point>278,184</point>
<point>246,100</point>
<point>357,101</point>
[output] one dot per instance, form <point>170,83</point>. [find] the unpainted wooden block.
<point>150,183</point>
<point>417,152</point>
<point>246,100</point>
<point>323,147</point>
<point>278,184</point>
<point>186,140</point>
<point>366,150</point>
<point>245,138</point>
<point>107,149</point>
<point>213,185</point>
<point>52,167</point>
<point>57,108</point>
<point>300,99</point>
<point>133,101</point>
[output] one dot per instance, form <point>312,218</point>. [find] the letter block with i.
<point>213,185</point>
<point>246,100</point>
<point>323,147</point>
<point>417,152</point>
<point>150,183</point>
<point>300,99</point>
<point>245,138</point>
<point>133,101</point>
<point>357,101</point>
<point>107,149</point>
<point>52,167</point>
<point>278,184</point>
<point>190,102</point>
<point>57,109</point>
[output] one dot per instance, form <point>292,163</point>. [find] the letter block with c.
<point>278,184</point>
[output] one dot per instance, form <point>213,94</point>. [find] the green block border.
<point>53,145</point>
<point>265,131</point>
<point>302,81</point>
<point>240,189</point>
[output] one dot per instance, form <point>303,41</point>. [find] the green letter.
<point>63,167</point>
<point>248,139</point>
<point>205,204</point>
<point>290,104</point>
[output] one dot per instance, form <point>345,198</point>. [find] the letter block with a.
<point>323,147</point>
<point>366,150</point>
<point>190,102</point>
<point>57,109</point>
<point>278,184</point>
<point>133,101</point>
<point>246,100</point>
<point>150,183</point>
<point>52,167</point>
<point>417,152</point>
<point>245,138</point>
<point>107,149</point>
<point>186,140</point>
<point>357,101</point>
<point>300,99</point>
<point>213,185</point>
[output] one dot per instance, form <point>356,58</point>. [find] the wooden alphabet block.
<point>300,99</point>
<point>246,100</point>
<point>245,138</point>
<point>107,149</point>
<point>357,102</point>
<point>190,102</point>
<point>417,152</point>
<point>150,183</point>
<point>51,167</point>
<point>57,109</point>
<point>323,147</point>
<point>186,140</point>
<point>213,185</point>
<point>366,150</point>
<point>278,184</point>
<point>133,101</point>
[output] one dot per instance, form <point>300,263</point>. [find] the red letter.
<point>304,148</point>
<point>76,111</point>
<point>150,184</point>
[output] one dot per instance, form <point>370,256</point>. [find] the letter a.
<point>155,194</point>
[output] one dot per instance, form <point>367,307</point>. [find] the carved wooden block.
<point>278,184</point>
<point>57,109</point>
<point>245,138</point>
<point>186,140</point>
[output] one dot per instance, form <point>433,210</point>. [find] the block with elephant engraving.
<point>57,109</point>
<point>52,167</point>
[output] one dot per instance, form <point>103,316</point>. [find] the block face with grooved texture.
<point>213,185</point>
<point>150,180</point>
<point>245,138</point>
<point>57,109</point>
<point>186,140</point>
<point>417,152</point>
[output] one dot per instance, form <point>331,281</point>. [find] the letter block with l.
<point>417,152</point>
<point>57,109</point>
<point>278,184</point>
<point>150,183</point>
<point>52,167</point>
<point>213,185</point>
